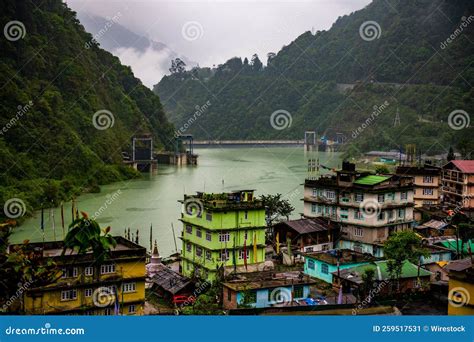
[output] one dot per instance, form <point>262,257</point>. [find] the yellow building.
<point>427,182</point>
<point>115,287</point>
<point>461,287</point>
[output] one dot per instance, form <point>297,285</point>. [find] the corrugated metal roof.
<point>466,166</point>
<point>371,180</point>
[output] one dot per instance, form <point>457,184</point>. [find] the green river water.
<point>153,199</point>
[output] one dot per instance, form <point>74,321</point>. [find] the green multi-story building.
<point>222,232</point>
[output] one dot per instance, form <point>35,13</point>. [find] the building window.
<point>129,287</point>
<point>246,215</point>
<point>390,214</point>
<point>208,236</point>
<point>315,192</point>
<point>358,231</point>
<point>245,235</point>
<point>224,255</point>
<point>198,251</point>
<point>358,214</point>
<point>314,207</point>
<point>401,213</point>
<point>241,254</point>
<point>311,265</point>
<point>70,272</point>
<point>107,268</point>
<point>330,194</point>
<point>391,196</point>
<point>89,270</point>
<point>381,216</point>
<point>198,232</point>
<point>298,292</point>
<point>427,191</point>
<point>189,229</point>
<point>359,197</point>
<point>229,295</point>
<point>132,309</point>
<point>208,255</point>
<point>403,195</point>
<point>381,198</point>
<point>224,237</point>
<point>189,247</point>
<point>68,295</point>
<point>88,292</point>
<point>428,179</point>
<point>209,216</point>
<point>324,268</point>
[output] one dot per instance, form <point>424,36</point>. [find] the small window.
<point>208,255</point>
<point>325,269</point>
<point>198,251</point>
<point>403,195</point>
<point>427,191</point>
<point>224,255</point>
<point>298,292</point>
<point>246,215</point>
<point>315,192</point>
<point>224,237</point>
<point>381,216</point>
<point>189,247</point>
<point>88,292</point>
<point>428,179</point>
<point>198,232</point>
<point>314,207</point>
<point>69,272</point>
<point>189,229</point>
<point>330,194</point>
<point>401,213</point>
<point>381,198</point>
<point>358,214</point>
<point>358,231</point>
<point>132,309</point>
<point>208,236</point>
<point>68,295</point>
<point>89,271</point>
<point>359,197</point>
<point>129,287</point>
<point>243,255</point>
<point>107,268</point>
<point>209,216</point>
<point>311,265</point>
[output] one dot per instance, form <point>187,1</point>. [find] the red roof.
<point>466,166</point>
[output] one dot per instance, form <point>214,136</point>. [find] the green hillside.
<point>331,80</point>
<point>53,80</point>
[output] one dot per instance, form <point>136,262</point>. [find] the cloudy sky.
<point>211,32</point>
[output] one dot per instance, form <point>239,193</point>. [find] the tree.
<point>177,66</point>
<point>270,57</point>
<point>276,208</point>
<point>368,278</point>
<point>402,246</point>
<point>382,169</point>
<point>256,64</point>
<point>451,155</point>
<point>84,234</point>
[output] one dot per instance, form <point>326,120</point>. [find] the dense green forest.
<point>331,81</point>
<point>53,79</point>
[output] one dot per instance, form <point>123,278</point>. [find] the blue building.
<point>320,265</point>
<point>264,293</point>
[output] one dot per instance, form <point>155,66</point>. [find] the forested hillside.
<point>331,80</point>
<point>53,79</point>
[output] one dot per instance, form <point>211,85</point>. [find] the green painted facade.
<point>216,227</point>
